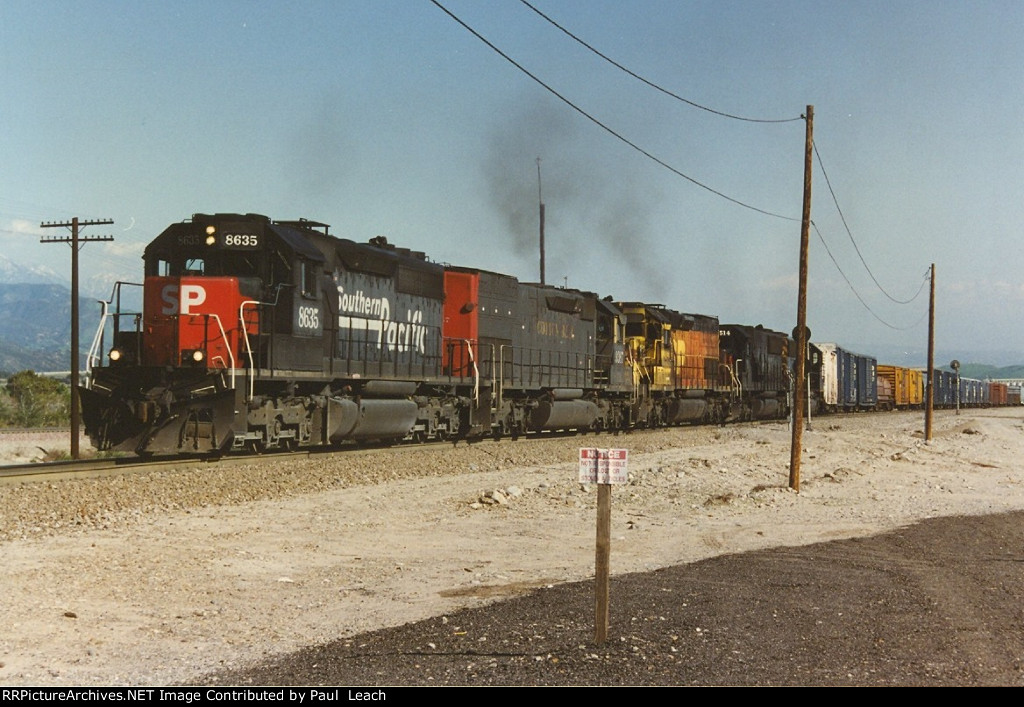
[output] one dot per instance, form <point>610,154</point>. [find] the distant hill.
<point>35,326</point>
<point>35,315</point>
<point>983,371</point>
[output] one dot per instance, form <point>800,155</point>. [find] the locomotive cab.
<point>219,292</point>
<point>233,284</point>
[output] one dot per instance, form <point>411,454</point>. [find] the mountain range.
<point>35,317</point>
<point>35,327</point>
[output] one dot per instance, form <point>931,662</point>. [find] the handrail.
<point>94,353</point>
<point>248,348</point>
<point>95,356</point>
<point>476,372</point>
<point>737,383</point>
<point>227,345</point>
<point>500,380</point>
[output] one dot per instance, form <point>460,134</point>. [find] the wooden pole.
<point>75,407</point>
<point>602,562</point>
<point>76,241</point>
<point>801,311</point>
<point>930,390</point>
<point>540,201</point>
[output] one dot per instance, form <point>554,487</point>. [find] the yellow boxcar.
<point>907,385</point>
<point>915,387</point>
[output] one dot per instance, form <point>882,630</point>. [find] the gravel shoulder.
<point>167,577</point>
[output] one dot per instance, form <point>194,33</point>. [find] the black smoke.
<point>597,217</point>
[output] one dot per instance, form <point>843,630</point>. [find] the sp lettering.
<point>181,300</point>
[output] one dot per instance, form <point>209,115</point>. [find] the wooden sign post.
<point>603,467</point>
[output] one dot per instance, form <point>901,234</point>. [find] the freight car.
<point>997,393</point>
<point>973,393</point>
<point>906,385</point>
<point>841,380</point>
<point>944,389</point>
<point>838,382</point>
<point>1013,395</point>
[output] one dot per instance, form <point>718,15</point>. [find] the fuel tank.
<point>563,414</point>
<point>369,419</point>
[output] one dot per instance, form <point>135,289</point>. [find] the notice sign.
<point>603,466</point>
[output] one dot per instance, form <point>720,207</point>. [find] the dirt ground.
<point>162,592</point>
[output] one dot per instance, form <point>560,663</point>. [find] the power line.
<point>604,127</point>
<point>654,85</point>
<point>857,294</point>
<point>853,240</point>
<point>674,170</point>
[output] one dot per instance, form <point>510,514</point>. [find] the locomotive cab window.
<point>240,265</point>
<point>194,266</point>
<point>307,275</point>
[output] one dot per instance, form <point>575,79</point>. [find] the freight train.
<point>260,334</point>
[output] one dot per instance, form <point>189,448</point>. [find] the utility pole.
<point>801,311</point>
<point>540,200</point>
<point>76,243</point>
<point>930,390</point>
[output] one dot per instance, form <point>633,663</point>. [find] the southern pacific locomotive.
<point>258,334</point>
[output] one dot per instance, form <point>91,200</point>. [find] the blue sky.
<point>388,118</point>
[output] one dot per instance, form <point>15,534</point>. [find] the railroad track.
<point>84,468</point>
<point>80,468</point>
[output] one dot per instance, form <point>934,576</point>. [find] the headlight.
<point>115,355</point>
<point>192,357</point>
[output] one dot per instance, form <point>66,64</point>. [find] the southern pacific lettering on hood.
<point>361,313</point>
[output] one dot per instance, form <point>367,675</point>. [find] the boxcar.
<point>944,389</point>
<point>906,385</point>
<point>846,380</point>
<point>1013,395</point>
<point>997,393</point>
<point>973,393</point>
